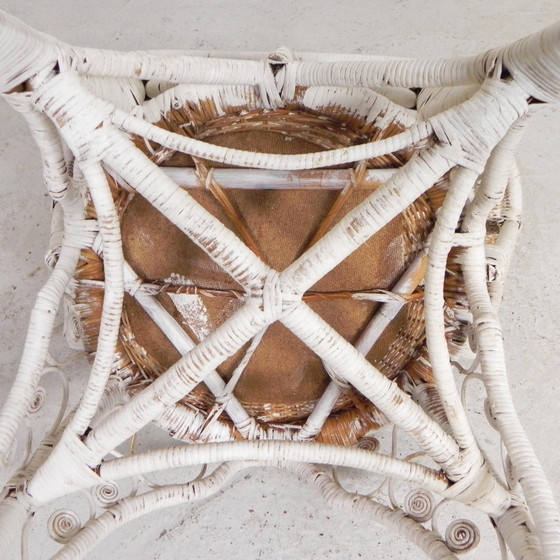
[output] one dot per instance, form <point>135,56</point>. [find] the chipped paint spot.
<point>194,312</point>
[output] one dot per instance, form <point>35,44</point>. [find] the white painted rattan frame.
<point>474,139</point>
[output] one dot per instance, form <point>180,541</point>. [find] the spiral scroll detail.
<point>419,504</point>
<point>462,535</point>
<point>63,525</point>
<point>107,494</point>
<point>38,400</point>
<point>368,443</point>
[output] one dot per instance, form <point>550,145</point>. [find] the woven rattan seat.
<point>283,380</point>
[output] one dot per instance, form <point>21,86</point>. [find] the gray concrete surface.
<point>270,514</point>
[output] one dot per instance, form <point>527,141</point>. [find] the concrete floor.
<point>270,514</point>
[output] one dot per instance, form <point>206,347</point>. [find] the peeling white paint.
<point>193,310</point>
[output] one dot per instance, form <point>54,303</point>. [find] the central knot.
<point>272,297</point>
<point>274,78</point>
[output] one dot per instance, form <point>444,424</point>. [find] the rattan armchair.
<point>285,260</point>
